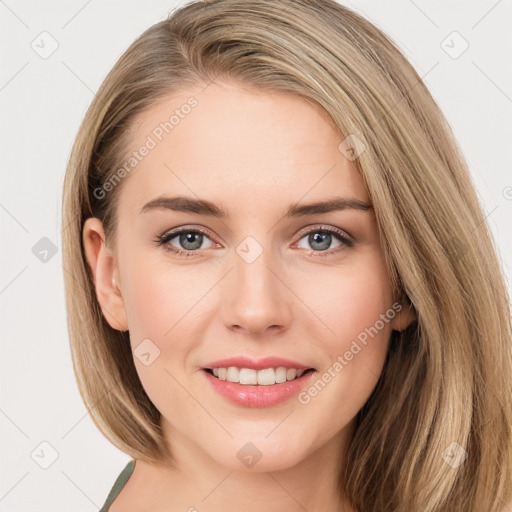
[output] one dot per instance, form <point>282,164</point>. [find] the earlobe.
<point>404,317</point>
<point>104,274</point>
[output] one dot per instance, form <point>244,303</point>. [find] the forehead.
<point>235,145</point>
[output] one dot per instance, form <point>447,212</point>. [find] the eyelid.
<point>344,237</point>
<point>300,233</point>
<point>172,233</point>
<point>325,227</point>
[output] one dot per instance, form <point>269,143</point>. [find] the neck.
<point>195,482</point>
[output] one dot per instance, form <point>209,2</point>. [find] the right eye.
<point>191,241</point>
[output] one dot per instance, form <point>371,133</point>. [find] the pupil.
<point>189,238</point>
<point>319,238</point>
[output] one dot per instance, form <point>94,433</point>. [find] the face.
<point>193,287</point>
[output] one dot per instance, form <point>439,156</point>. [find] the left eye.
<point>191,240</point>
<point>321,239</point>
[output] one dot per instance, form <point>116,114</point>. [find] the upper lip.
<point>259,364</point>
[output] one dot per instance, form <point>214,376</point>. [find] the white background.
<point>42,104</point>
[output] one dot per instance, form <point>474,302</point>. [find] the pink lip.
<point>260,364</point>
<point>257,395</point>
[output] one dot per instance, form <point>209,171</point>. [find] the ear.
<point>404,317</point>
<point>105,274</point>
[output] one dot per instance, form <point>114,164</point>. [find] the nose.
<point>257,299</point>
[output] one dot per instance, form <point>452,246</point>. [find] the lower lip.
<point>258,396</point>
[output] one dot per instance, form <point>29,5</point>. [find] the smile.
<point>257,395</point>
<point>250,376</point>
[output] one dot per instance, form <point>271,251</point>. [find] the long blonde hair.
<point>448,378</point>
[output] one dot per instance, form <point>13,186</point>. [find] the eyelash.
<point>164,238</point>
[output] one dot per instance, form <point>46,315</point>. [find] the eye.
<point>321,238</point>
<point>191,241</point>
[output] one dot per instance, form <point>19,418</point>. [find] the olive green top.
<point>118,485</point>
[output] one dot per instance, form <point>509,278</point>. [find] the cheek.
<point>159,298</point>
<point>356,310</point>
<point>165,310</point>
<point>355,307</point>
<point>354,299</point>
<point>159,301</point>
<point>146,306</point>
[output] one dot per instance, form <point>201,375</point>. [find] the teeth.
<point>265,377</point>
<point>291,373</point>
<point>244,375</point>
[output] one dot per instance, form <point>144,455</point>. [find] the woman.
<point>282,293</point>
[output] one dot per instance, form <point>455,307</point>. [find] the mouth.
<point>247,387</point>
<point>263,377</point>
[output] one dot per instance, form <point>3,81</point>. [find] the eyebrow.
<point>204,207</point>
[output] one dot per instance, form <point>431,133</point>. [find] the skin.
<point>252,153</point>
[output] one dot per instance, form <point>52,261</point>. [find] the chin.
<point>258,456</point>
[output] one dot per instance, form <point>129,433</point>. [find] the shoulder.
<point>118,486</point>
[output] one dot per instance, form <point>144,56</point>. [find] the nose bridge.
<point>256,298</point>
